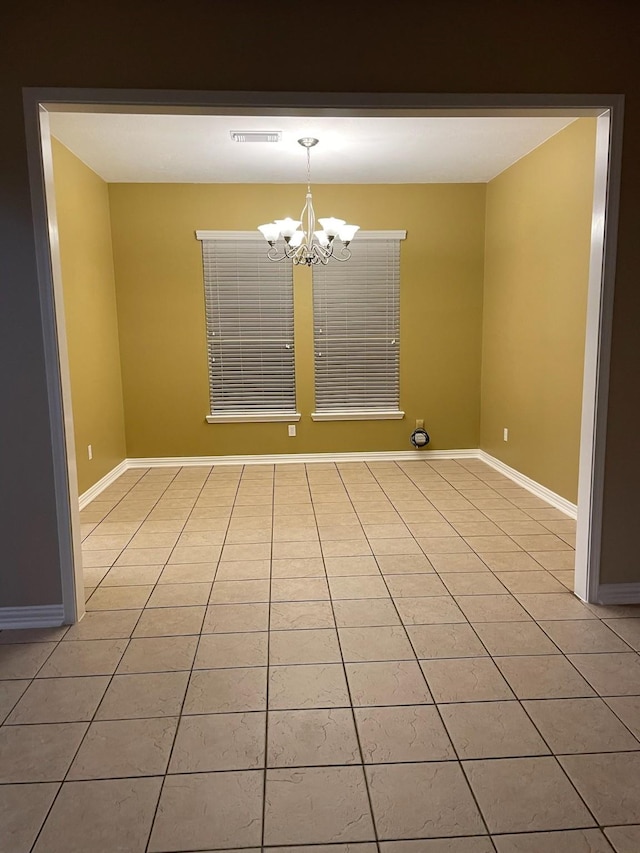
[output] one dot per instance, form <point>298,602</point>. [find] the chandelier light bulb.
<point>308,246</point>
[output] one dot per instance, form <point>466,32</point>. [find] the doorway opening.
<point>607,113</point>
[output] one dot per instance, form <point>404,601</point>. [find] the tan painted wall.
<point>161,314</point>
<point>82,203</point>
<point>538,232</point>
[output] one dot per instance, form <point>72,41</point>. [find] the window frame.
<point>240,415</point>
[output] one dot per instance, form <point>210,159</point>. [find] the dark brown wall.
<point>558,46</point>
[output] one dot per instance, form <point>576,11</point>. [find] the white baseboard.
<point>619,593</point>
<point>92,493</point>
<point>43,616</point>
<point>300,458</point>
<point>531,485</point>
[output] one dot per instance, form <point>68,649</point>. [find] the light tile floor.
<point>372,657</point>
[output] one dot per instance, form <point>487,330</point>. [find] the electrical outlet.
<point>505,434</point>
<point>420,423</point>
<point>90,451</point>
<point>292,430</point>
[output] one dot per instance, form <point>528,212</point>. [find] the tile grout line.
<point>82,740</point>
<point>437,710</point>
<point>374,822</point>
<point>186,691</point>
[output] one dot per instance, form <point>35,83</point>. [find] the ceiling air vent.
<point>256,135</point>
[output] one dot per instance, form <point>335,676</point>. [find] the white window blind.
<point>356,311</point>
<point>249,311</point>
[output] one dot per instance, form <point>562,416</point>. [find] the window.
<point>356,312</point>
<point>249,312</point>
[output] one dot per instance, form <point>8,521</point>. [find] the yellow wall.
<point>82,203</point>
<point>538,231</point>
<point>158,267</point>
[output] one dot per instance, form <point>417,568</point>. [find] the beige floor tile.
<point>628,629</point>
<point>554,560</point>
<point>23,660</point>
<point>214,742</point>
<point>205,553</point>
<point>217,691</point>
<point>354,547</point>
<point>153,540</point>
<point>23,809</point>
<point>101,816</point>
<point>566,578</point>
<point>180,595</point>
<point>615,611</point>
<point>209,810</point>
<point>491,608</point>
<point>10,693</point>
<point>375,644</point>
<point>388,531</point>
<point>188,573</point>
<point>415,585</point>
<point>445,641</point>
<point>104,625</point>
<point>387,683</point>
<point>514,638</point>
<point>551,606</point>
<point>521,528</point>
<point>38,753</point>
<point>250,536</point>
<point>403,564</point>
<point>229,618</point>
<point>540,542</point>
<point>475,844</point>
<point>511,561</point>
<point>543,677</point>
<point>610,674</point>
<point>169,621</point>
<point>131,576</point>
<point>200,538</point>
<point>408,733</point>
<point>530,582</point>
<point>413,800</point>
<point>219,651</point>
<point>361,586</point>
<point>92,577</point>
<point>608,782</point>
<point>295,550</point>
<point>58,700</point>
<point>145,557</point>
<point>308,646</point>
<point>124,748</point>
<point>571,841</point>
<point>233,553</point>
<point>84,657</point>
<point>316,805</point>
<point>345,566</point>
<point>580,725</point>
<point>97,559</point>
<point>291,615</point>
<point>307,686</point>
<point>491,730</point>
<point>299,589</point>
<point>429,610</point>
<point>367,612</point>
<point>491,544</point>
<point>302,567</point>
<point>472,583</point>
<point>465,680</point>
<point>158,694</point>
<point>576,636</point>
<point>432,545</point>
<point>625,839</point>
<point>119,598</point>
<point>158,654</point>
<point>628,709</point>
<point>525,794</point>
<point>426,530</point>
<point>312,738</point>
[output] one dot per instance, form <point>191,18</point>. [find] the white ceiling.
<point>199,149</point>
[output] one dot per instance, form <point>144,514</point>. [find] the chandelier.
<point>308,246</point>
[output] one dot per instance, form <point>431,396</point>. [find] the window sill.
<point>357,415</point>
<point>253,417</point>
